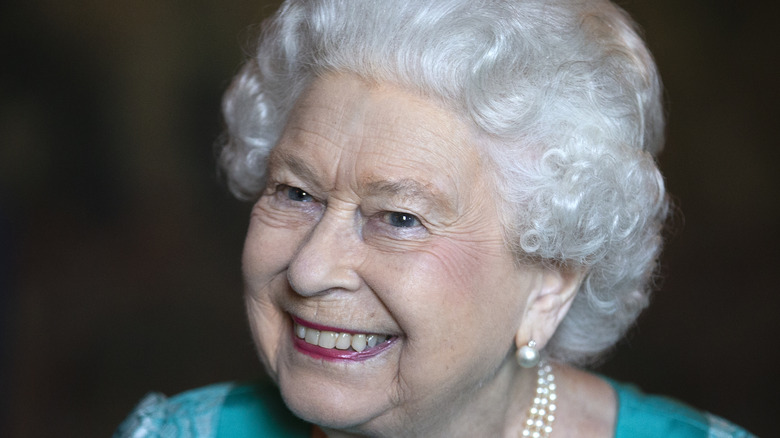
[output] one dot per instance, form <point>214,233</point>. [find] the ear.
<point>548,304</point>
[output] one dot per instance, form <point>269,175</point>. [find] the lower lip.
<point>334,354</point>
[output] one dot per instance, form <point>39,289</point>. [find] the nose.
<point>327,259</point>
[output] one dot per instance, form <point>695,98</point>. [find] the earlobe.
<point>547,305</point>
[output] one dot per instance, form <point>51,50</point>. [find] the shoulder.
<point>221,410</point>
<point>193,413</point>
<point>643,415</point>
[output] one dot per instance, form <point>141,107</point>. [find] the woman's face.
<point>380,294</point>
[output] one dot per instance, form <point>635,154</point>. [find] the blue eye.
<point>402,220</point>
<point>296,194</point>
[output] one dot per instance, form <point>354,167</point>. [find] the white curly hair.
<point>564,93</point>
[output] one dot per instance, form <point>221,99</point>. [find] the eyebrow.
<point>407,188</point>
<point>404,188</point>
<point>300,168</point>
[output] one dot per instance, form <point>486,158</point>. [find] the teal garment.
<point>258,411</point>
<point>649,416</point>
<point>242,411</point>
<point>225,410</point>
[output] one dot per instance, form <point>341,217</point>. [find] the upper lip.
<point>321,327</point>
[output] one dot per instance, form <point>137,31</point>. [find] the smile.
<point>326,343</point>
<point>338,340</point>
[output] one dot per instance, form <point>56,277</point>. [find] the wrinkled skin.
<point>379,217</point>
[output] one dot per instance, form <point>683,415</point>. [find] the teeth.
<point>359,342</point>
<point>327,339</point>
<point>374,340</point>
<point>312,336</point>
<point>300,331</point>
<point>344,342</point>
<point>341,341</point>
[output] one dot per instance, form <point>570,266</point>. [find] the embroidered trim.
<point>720,428</point>
<point>193,414</point>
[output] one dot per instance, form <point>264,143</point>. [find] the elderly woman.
<point>456,203</point>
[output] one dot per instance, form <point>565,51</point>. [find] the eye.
<point>401,220</point>
<point>295,194</point>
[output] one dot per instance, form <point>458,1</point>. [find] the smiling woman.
<point>455,203</point>
<point>421,264</point>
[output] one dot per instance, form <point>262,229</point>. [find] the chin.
<point>332,405</point>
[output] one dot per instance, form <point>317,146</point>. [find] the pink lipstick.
<point>334,344</point>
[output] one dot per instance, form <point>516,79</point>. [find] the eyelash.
<point>291,192</point>
<point>401,217</point>
<point>402,221</point>
<point>284,197</point>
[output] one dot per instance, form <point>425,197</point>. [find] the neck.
<point>497,407</point>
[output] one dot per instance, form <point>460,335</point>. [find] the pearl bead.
<point>527,357</point>
<point>540,414</point>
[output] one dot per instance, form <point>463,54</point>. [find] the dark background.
<point>119,252</point>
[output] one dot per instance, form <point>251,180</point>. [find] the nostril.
<point>306,277</point>
<point>322,276</point>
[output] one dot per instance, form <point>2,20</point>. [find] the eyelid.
<point>378,224</point>
<point>292,191</point>
<point>278,193</point>
<point>388,217</point>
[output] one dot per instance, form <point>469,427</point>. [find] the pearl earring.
<point>527,355</point>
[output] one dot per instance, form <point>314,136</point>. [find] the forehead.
<point>376,135</point>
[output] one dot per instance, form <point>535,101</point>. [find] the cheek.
<point>468,270</point>
<point>443,287</point>
<point>458,325</point>
<point>267,253</point>
<point>268,250</point>
<point>267,326</point>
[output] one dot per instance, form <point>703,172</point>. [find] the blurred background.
<point>120,252</point>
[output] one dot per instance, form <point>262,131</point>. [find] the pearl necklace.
<point>542,412</point>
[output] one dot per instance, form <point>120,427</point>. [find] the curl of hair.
<point>564,95</point>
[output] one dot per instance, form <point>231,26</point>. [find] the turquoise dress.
<point>257,411</point>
